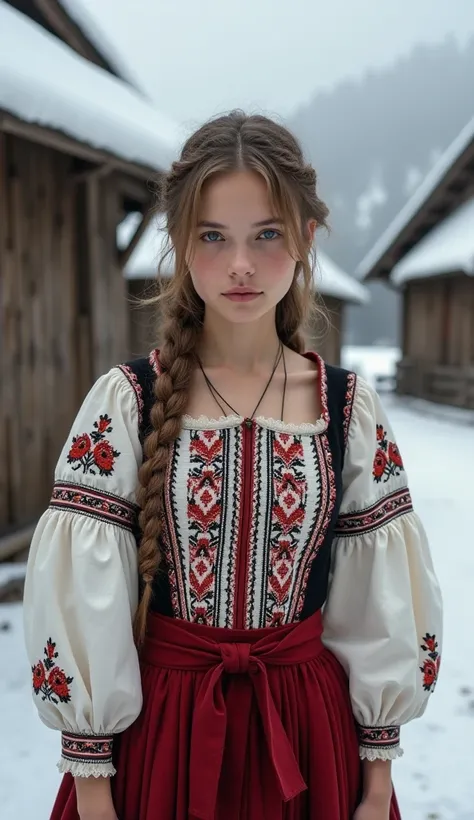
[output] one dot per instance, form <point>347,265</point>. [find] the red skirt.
<point>236,725</point>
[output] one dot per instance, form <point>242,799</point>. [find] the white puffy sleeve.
<point>383,615</point>
<point>81,587</point>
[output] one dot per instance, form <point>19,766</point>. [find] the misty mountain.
<point>372,141</point>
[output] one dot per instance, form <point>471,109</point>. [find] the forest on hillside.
<point>372,141</point>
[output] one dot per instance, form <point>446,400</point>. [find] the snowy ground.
<point>435,779</point>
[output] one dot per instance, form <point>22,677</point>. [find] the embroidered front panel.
<point>377,515</point>
<point>49,681</point>
<point>289,512</point>
<point>199,539</point>
<point>95,504</point>
<point>204,521</point>
<point>387,460</point>
<point>431,664</point>
<point>92,451</point>
<point>291,500</point>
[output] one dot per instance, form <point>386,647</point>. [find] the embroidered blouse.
<point>263,525</point>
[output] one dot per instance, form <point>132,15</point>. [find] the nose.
<point>241,263</point>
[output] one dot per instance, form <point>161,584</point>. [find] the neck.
<point>244,346</point>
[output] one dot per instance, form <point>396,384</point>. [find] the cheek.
<point>206,272</point>
<point>277,265</point>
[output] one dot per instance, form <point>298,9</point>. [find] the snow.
<point>329,279</point>
<point>11,572</point>
<point>96,35</point>
<point>448,248</point>
<point>377,365</point>
<point>434,779</point>
<point>43,81</point>
<point>417,200</point>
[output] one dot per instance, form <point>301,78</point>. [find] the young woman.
<point>256,656</point>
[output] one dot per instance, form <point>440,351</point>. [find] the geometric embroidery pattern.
<point>95,503</point>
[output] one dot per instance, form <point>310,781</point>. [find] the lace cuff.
<point>87,755</point>
<point>379,742</point>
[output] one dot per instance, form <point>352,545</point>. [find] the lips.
<point>241,292</point>
<point>242,295</point>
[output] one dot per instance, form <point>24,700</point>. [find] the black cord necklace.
<point>248,420</point>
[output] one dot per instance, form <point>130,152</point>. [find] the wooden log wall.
<point>64,316</point>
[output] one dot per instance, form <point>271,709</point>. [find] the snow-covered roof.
<point>448,248</point>
<point>329,279</point>
<point>417,201</point>
<point>95,33</point>
<point>43,81</point>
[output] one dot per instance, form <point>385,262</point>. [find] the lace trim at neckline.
<point>206,423</point>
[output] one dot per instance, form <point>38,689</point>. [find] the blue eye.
<point>211,236</point>
<point>273,234</point>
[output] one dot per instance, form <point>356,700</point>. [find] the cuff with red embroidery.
<point>87,755</point>
<point>379,742</point>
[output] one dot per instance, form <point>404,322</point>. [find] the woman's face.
<point>240,267</point>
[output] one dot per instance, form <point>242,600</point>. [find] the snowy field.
<point>435,778</point>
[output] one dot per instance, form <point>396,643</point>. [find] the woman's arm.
<point>81,586</point>
<point>383,616</point>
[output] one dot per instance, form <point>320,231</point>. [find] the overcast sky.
<point>199,57</point>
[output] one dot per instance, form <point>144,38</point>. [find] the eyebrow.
<point>273,220</point>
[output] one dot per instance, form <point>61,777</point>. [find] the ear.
<point>311,226</point>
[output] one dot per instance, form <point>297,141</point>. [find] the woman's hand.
<point>94,798</point>
<point>374,808</point>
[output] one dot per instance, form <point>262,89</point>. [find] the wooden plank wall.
<point>37,316</point>
<point>438,361</point>
<point>109,311</point>
<point>326,337</point>
<point>64,314</point>
<point>144,319</point>
<point>439,320</point>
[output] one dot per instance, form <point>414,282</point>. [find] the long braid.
<point>171,391</point>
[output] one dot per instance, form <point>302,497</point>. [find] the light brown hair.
<point>223,145</point>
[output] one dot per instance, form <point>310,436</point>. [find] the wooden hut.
<point>336,288</point>
<point>78,147</point>
<point>428,252</point>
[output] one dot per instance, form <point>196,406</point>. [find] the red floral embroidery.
<point>387,460</point>
<point>394,454</point>
<point>431,664</point>
<point>49,679</point>
<point>380,464</point>
<point>101,457</point>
